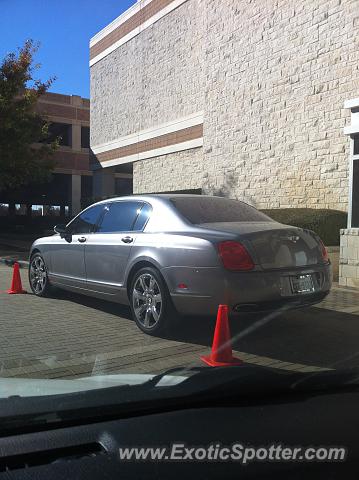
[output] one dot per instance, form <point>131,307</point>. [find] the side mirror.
<point>61,229</point>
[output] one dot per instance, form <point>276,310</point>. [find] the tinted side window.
<point>86,222</point>
<point>120,217</point>
<point>142,217</point>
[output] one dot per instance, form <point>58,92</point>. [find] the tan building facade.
<point>349,237</point>
<point>69,117</point>
<point>245,99</point>
<point>265,82</point>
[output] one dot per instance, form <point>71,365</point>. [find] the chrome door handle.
<point>81,239</point>
<point>127,239</point>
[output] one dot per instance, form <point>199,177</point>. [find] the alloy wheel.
<point>38,275</point>
<point>147,300</point>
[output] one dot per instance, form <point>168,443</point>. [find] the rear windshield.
<point>199,210</point>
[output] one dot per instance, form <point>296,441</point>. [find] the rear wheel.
<point>38,278</point>
<point>150,300</point>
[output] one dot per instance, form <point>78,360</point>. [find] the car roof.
<point>149,196</point>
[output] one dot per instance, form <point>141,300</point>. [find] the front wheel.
<point>38,278</point>
<point>150,301</point>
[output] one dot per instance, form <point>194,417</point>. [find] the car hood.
<point>29,387</point>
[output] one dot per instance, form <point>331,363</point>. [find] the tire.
<point>150,302</point>
<point>38,279</point>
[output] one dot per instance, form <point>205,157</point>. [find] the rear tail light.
<point>324,252</point>
<point>235,256</point>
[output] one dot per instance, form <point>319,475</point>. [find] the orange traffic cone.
<point>16,285</point>
<point>221,355</point>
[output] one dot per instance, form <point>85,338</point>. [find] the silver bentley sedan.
<point>182,254</point>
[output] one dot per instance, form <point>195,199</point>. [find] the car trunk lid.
<point>273,245</point>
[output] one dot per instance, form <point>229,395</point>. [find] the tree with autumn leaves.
<point>25,153</point>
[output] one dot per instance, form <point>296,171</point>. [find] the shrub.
<point>326,223</point>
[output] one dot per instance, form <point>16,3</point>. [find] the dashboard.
<point>91,450</point>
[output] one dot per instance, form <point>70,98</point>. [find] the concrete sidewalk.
<point>341,299</point>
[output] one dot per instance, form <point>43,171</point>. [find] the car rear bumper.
<point>286,303</point>
<point>243,292</point>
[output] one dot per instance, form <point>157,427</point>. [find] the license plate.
<point>302,284</point>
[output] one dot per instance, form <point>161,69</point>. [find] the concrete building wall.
<point>278,73</point>
<point>71,160</point>
<point>349,257</point>
<point>165,173</point>
<point>271,78</point>
<point>154,78</point>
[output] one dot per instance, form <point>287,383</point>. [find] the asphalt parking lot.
<point>68,336</point>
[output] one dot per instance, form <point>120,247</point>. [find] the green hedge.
<point>326,223</point>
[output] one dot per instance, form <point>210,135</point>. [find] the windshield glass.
<point>199,210</point>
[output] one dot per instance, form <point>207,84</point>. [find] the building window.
<point>4,209</point>
<point>36,210</point>
<point>354,217</point>
<point>86,186</point>
<point>85,137</point>
<point>353,131</point>
<point>63,131</point>
<point>20,209</point>
<point>356,145</point>
<point>355,195</point>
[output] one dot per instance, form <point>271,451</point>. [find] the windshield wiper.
<point>154,381</point>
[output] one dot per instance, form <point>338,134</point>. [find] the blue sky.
<point>64,29</point>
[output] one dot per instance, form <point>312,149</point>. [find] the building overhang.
<point>181,134</point>
<point>131,23</point>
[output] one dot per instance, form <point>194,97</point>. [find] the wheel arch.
<point>44,253</point>
<point>33,251</point>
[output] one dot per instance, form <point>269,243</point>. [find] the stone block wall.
<point>349,257</point>
<point>277,75</point>
<point>154,78</point>
<point>271,77</point>
<point>165,173</point>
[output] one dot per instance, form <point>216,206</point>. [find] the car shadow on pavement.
<point>314,336</point>
<point>191,329</point>
<point>196,330</point>
<point>311,336</point>
<point>108,307</point>
<point>200,329</point>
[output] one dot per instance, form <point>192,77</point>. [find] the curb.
<point>336,286</point>
<point>10,262</point>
